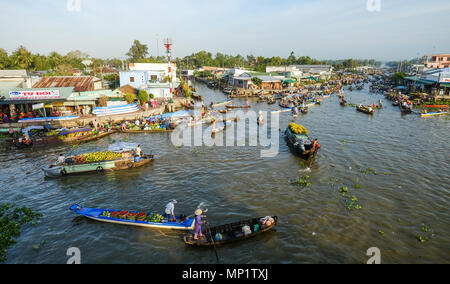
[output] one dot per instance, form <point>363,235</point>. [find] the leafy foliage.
<point>12,219</point>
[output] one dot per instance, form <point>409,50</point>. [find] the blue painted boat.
<point>104,215</point>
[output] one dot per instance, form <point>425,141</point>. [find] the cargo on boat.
<point>234,232</point>
<point>365,109</point>
<point>134,218</point>
<point>303,145</point>
<point>120,156</point>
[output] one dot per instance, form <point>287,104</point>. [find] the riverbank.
<point>86,120</point>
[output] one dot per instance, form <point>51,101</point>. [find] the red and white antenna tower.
<point>168,44</point>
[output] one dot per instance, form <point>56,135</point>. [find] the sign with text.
<point>38,106</point>
<point>34,95</point>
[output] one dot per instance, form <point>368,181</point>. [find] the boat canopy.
<point>28,129</point>
<point>122,147</point>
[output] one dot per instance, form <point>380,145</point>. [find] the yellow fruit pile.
<point>298,129</point>
<point>98,157</point>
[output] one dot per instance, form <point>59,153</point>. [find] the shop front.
<point>21,103</point>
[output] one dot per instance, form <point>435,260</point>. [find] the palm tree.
<point>22,58</point>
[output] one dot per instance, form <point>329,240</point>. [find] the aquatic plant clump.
<point>11,220</point>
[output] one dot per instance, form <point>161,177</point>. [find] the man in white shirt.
<point>138,151</point>
<point>61,160</point>
<point>170,210</point>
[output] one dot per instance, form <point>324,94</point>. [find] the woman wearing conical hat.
<point>198,224</point>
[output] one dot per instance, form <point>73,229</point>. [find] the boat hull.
<point>231,233</point>
<point>97,167</point>
<point>95,214</point>
<point>309,152</point>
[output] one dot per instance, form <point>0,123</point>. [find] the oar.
<point>212,239</point>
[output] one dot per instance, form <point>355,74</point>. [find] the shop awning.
<point>447,85</point>
<point>289,81</point>
<point>80,103</point>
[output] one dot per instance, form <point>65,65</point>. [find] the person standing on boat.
<point>198,224</point>
<point>170,210</point>
<point>61,160</point>
<point>138,151</point>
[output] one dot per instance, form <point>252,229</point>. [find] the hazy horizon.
<point>321,29</point>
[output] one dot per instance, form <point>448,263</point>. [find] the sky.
<point>322,29</point>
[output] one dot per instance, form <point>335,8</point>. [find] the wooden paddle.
<point>212,239</point>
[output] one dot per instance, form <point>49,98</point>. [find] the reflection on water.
<point>406,188</point>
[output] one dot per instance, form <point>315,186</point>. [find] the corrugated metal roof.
<point>13,73</point>
<point>79,83</point>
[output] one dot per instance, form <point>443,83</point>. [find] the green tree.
<point>137,51</point>
<point>130,98</point>
<point>22,58</point>
<point>4,59</point>
<point>143,97</point>
<point>55,59</point>
<point>399,77</point>
<point>291,60</point>
<point>257,81</point>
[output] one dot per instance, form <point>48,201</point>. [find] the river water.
<point>397,167</point>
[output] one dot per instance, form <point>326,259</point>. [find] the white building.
<point>159,79</point>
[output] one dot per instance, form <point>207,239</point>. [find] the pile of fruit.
<point>52,133</point>
<point>106,214</point>
<point>73,135</point>
<point>155,218</point>
<point>298,129</point>
<point>97,157</point>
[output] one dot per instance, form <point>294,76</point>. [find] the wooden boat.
<point>297,140</point>
<point>221,128</point>
<point>365,109</point>
<point>405,109</point>
<point>271,101</point>
<point>343,103</point>
<point>395,103</point>
<point>282,110</point>
<point>97,167</point>
<point>430,114</point>
<point>229,233</point>
<point>113,216</point>
<point>304,110</point>
<point>436,106</point>
<point>149,131</point>
<point>221,103</point>
<point>95,137</point>
<point>246,106</point>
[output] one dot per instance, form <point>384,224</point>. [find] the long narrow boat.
<point>246,106</point>
<point>436,106</point>
<point>365,109</point>
<point>149,131</point>
<point>95,137</point>
<point>222,103</point>
<point>230,233</point>
<point>430,114</point>
<point>97,167</point>
<point>140,219</point>
<point>226,123</point>
<point>282,110</point>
